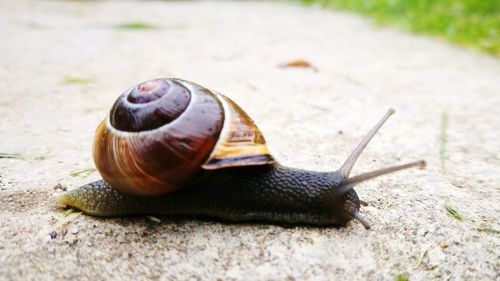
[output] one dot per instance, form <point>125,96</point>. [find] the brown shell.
<point>240,143</point>
<point>212,133</point>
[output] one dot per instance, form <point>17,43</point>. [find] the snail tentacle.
<point>346,168</point>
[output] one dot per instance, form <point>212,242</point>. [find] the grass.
<point>487,228</point>
<point>471,23</point>
<point>23,157</point>
<point>83,173</point>
<point>422,255</point>
<point>154,219</point>
<point>135,25</point>
<point>76,80</point>
<point>401,277</point>
<point>11,156</point>
<point>454,212</point>
<point>68,212</point>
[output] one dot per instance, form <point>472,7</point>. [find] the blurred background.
<point>471,23</point>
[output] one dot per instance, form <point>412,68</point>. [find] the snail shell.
<point>161,134</point>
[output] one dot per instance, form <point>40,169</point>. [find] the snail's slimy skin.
<point>275,194</point>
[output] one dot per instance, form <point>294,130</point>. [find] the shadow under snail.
<point>172,147</point>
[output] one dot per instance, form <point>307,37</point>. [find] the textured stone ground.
<point>64,62</point>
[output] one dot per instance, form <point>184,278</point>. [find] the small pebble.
<point>73,230</point>
<point>443,245</point>
<point>52,234</point>
<point>60,187</point>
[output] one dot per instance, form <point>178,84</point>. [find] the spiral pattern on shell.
<point>161,134</point>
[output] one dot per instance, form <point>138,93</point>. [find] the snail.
<point>172,147</point>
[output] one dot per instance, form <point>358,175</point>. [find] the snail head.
<point>344,189</point>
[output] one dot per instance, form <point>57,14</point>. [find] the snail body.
<point>274,194</point>
<point>172,147</point>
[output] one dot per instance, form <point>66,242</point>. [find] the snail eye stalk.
<point>346,168</point>
<point>351,182</point>
<point>370,175</point>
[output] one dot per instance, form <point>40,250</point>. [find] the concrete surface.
<point>64,62</point>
